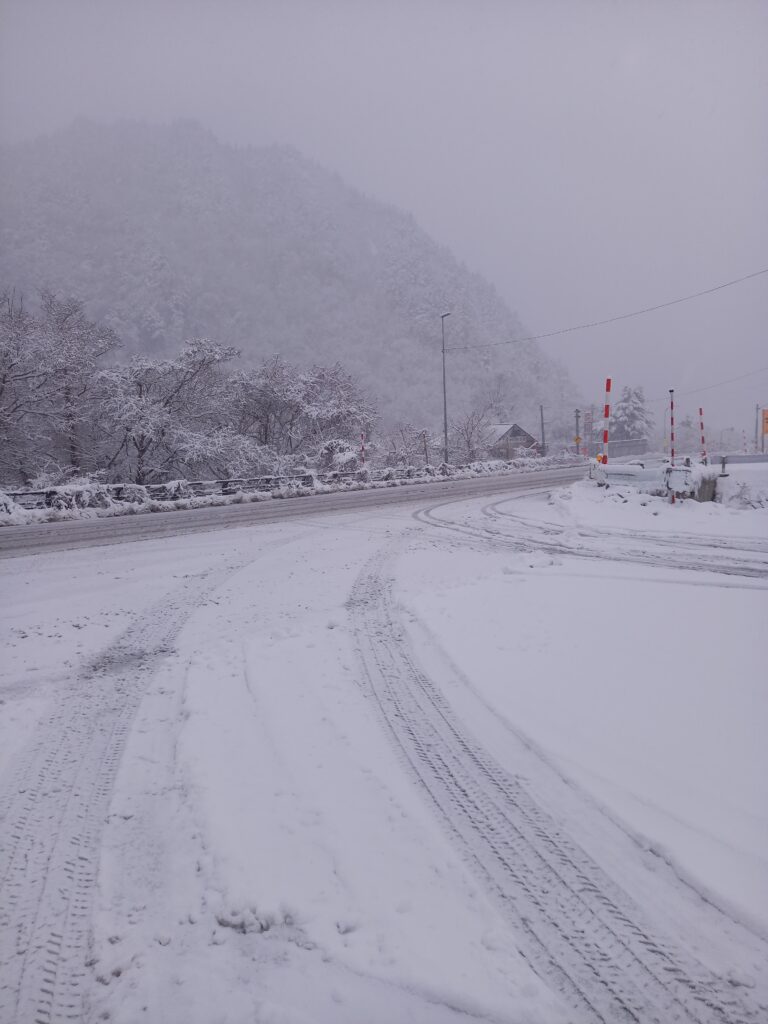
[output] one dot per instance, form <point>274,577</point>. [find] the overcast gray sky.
<point>588,157</point>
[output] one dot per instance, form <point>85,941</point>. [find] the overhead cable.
<point>611,319</point>
<point>719,384</point>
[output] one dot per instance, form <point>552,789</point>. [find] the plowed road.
<point>27,540</point>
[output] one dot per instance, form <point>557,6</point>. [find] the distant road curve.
<point>16,541</point>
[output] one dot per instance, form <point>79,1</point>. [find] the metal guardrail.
<point>92,495</point>
<point>739,459</point>
<point>72,495</point>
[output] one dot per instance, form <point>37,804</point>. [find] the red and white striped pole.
<point>606,418</point>
<point>672,435</point>
<point>703,442</point>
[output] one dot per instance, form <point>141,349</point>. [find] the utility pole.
<point>543,439</point>
<point>757,426</point>
<point>578,435</point>
<point>445,393</point>
<point>426,451</point>
<point>672,438</point>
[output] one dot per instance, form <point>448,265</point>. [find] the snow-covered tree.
<point>158,411</point>
<point>630,418</point>
<point>72,346</point>
<point>48,364</point>
<point>296,411</point>
<point>304,266</point>
<point>334,405</point>
<point>24,397</point>
<point>267,403</point>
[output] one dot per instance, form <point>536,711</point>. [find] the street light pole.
<point>445,393</point>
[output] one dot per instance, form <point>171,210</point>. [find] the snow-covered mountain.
<point>167,233</point>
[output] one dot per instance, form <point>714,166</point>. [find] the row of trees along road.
<point>69,408</point>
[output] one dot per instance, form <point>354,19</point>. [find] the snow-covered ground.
<point>498,760</point>
<point>647,686</point>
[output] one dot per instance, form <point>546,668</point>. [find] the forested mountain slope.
<point>167,234</point>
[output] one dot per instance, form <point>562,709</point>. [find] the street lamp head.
<point>444,315</point>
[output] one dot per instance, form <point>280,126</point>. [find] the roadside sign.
<point>765,421</point>
<point>577,439</point>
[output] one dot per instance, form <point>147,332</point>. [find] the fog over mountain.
<point>589,158</point>
<point>168,234</point>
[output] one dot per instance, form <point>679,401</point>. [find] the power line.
<point>611,319</point>
<point>709,387</point>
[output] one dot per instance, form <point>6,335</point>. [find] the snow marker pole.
<point>672,433</point>
<point>606,418</point>
<point>703,442</point>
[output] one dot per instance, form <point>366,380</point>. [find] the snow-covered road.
<point>467,757</point>
<point>25,540</point>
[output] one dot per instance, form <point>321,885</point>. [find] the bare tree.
<point>469,434</point>
<point>408,444</point>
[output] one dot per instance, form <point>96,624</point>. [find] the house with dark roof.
<point>507,440</point>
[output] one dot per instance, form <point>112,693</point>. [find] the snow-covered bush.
<point>81,495</point>
<point>136,494</point>
<point>174,490</point>
<point>11,514</point>
<point>7,505</point>
<point>745,486</point>
<point>337,455</point>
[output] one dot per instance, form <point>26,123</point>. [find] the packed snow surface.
<point>343,735</point>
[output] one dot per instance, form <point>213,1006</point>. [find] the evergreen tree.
<point>629,418</point>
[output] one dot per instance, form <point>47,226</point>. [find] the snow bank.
<point>745,486</point>
<point>622,507</point>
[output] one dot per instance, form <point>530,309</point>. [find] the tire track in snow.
<point>748,544</point>
<point>530,536</point>
<point>578,930</point>
<point>720,553</point>
<point>53,809</point>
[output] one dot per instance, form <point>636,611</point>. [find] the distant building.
<point>506,440</point>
